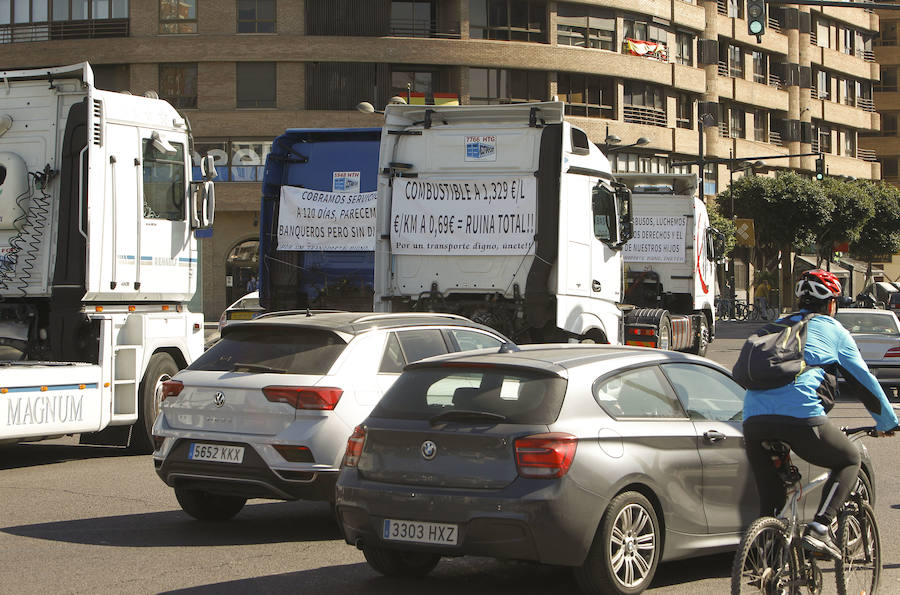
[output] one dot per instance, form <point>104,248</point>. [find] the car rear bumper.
<point>252,478</point>
<point>548,522</point>
<point>887,374</point>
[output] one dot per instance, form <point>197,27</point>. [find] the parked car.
<point>893,303</point>
<point>605,459</point>
<point>266,411</point>
<point>246,308</point>
<point>877,334</point>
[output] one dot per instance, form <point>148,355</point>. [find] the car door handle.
<point>714,436</point>
<point>595,285</point>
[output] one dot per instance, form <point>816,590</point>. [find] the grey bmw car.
<point>605,459</point>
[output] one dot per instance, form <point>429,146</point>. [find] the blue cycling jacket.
<point>827,342</point>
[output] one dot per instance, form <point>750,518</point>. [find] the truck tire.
<point>206,506</point>
<point>664,336</point>
<point>160,368</point>
<point>701,341</point>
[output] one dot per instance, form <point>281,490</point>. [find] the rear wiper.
<point>256,368</point>
<point>466,415</point>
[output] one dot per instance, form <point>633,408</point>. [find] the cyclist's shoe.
<point>820,543</point>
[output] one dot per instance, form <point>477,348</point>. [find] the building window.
<point>643,31</point>
<point>420,85</point>
<point>888,124</point>
<point>255,84</point>
<point>760,69</point>
<point>822,90</point>
<point>177,16</point>
<point>492,85</point>
<point>848,38</point>
<point>710,179</point>
<point>684,48</point>
<point>684,111</point>
<point>644,104</point>
<point>586,95</point>
<point>887,33</point>
<point>638,163</point>
<point>237,160</point>
<point>44,20</point>
<point>822,138</point>
<point>849,148</point>
<point>256,16</point>
<point>178,84</point>
<point>822,31</point>
<point>735,62</point>
<point>510,20</point>
<point>736,9</point>
<point>889,169</point>
<point>737,122</point>
<point>847,90</point>
<point>888,82</point>
<point>585,27</point>
<point>412,18</point>
<point>163,183</point>
<point>760,125</point>
<point>342,85</point>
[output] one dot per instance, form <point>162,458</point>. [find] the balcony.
<point>649,116</point>
<point>647,49</point>
<point>866,155</point>
<point>865,104</point>
<point>422,28</point>
<point>775,138</point>
<point>93,29</point>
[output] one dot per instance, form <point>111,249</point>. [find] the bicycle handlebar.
<point>868,430</point>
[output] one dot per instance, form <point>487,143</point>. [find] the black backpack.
<point>773,355</point>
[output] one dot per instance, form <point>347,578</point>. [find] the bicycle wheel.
<point>740,311</point>
<point>771,314</point>
<point>764,562</point>
<point>859,568</point>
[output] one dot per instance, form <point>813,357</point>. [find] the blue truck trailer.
<point>317,220</point>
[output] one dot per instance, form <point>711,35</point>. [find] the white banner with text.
<point>318,220</point>
<point>656,239</point>
<point>487,217</point>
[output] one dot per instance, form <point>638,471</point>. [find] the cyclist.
<point>796,413</point>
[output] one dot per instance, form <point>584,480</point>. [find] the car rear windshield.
<point>290,349</point>
<point>519,396</point>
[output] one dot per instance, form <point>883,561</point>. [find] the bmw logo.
<point>429,450</point>
<point>219,398</point>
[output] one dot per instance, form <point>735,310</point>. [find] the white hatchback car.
<point>266,412</point>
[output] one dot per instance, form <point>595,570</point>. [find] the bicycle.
<point>770,558</point>
<point>760,310</point>
<point>741,309</point>
<point>724,309</point>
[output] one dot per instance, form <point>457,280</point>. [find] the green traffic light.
<point>755,27</point>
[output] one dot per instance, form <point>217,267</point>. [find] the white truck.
<point>98,257</point>
<point>670,263</point>
<point>506,214</point>
<point>509,215</point>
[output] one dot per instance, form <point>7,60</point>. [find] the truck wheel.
<point>702,340</point>
<point>205,506</point>
<point>664,339</point>
<point>161,368</point>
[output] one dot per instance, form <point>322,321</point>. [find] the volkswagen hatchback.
<point>605,459</point>
<point>266,411</point>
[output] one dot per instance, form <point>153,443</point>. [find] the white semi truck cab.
<point>98,256</point>
<point>506,214</point>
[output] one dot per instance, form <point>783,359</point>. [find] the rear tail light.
<point>354,447</point>
<point>304,397</point>
<point>171,388</point>
<point>545,456</point>
<point>893,352</point>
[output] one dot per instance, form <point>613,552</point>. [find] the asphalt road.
<point>77,519</point>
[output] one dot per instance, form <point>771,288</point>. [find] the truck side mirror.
<point>203,204</point>
<point>623,209</point>
<point>715,245</point>
<point>208,167</point>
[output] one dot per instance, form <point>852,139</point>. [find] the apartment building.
<point>673,73</point>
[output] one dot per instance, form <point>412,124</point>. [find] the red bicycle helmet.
<point>818,284</point>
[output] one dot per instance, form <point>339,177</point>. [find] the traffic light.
<point>756,17</point>
<point>820,167</point>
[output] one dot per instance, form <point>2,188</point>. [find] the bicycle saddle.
<point>781,460</point>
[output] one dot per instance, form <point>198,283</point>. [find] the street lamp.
<point>367,108</point>
<point>638,143</point>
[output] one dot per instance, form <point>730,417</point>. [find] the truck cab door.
<point>168,252</point>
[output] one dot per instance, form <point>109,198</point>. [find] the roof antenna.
<point>508,348</point>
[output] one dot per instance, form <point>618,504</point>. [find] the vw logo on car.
<point>219,398</point>
<point>429,450</point>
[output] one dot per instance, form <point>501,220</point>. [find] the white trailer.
<point>506,214</point>
<point>670,263</point>
<point>98,257</point>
